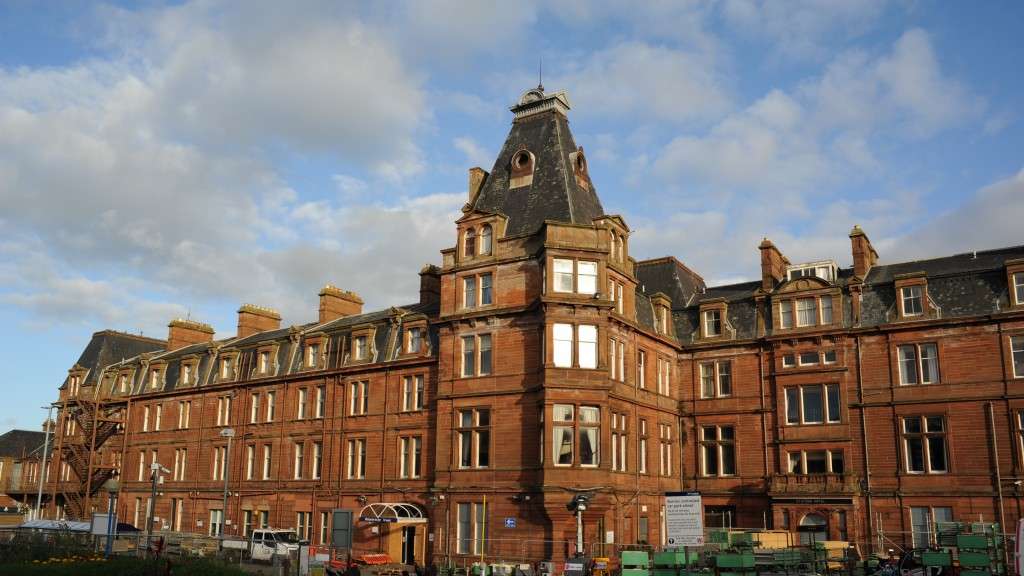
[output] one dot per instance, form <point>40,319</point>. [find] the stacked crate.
<point>739,559</point>
<point>674,563</point>
<point>635,563</point>
<point>980,553</point>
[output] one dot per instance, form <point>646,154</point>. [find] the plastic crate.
<point>635,559</point>
<point>972,541</point>
<point>974,559</point>
<point>742,560</point>
<point>936,558</point>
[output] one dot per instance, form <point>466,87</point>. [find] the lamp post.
<point>578,504</point>
<point>154,473</point>
<point>112,487</point>
<point>228,433</point>
<point>42,465</point>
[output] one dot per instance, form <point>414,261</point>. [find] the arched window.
<point>613,246</point>
<point>469,246</point>
<point>813,528</point>
<point>620,245</point>
<point>485,239</point>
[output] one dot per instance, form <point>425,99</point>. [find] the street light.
<point>228,433</point>
<point>42,465</point>
<point>112,486</point>
<point>154,472</point>
<point>578,504</point>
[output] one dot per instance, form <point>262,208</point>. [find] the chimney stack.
<point>430,284</point>
<point>254,319</point>
<point>181,333</point>
<point>773,265</point>
<point>477,176</point>
<point>864,255</point>
<point>337,303</point>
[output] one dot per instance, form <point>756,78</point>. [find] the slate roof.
<point>108,346</point>
<point>553,194</point>
<point>18,443</point>
<point>671,277</point>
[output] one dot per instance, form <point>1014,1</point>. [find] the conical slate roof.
<point>541,127</point>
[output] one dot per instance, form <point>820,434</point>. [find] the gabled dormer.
<point>912,299</point>
<point>806,302</point>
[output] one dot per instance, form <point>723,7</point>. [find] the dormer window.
<point>1018,288</point>
<point>186,374</point>
<point>154,379</point>
<point>521,169</point>
<point>486,236</point>
<point>712,323</point>
<point>227,368</point>
<point>264,361</point>
<point>415,343</point>
<point>360,348</point>
<point>826,270</point>
<point>122,383</point>
<point>312,354</point>
<point>469,243</point>
<point>912,297</point>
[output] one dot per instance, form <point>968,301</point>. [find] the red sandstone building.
<point>542,361</point>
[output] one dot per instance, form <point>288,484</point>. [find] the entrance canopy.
<point>397,512</point>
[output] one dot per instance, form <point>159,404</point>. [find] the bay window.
<point>813,404</point>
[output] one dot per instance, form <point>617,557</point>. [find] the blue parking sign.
<point>510,522</point>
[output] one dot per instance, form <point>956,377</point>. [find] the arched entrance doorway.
<point>402,529</point>
<point>813,528</point>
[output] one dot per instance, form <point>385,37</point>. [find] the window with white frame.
<point>361,348</point>
<point>187,370</point>
<point>268,452</point>
<point>145,418</point>
<point>250,461</point>
<point>469,243</point>
<point>641,451</point>
<point>470,527</point>
<point>923,520</point>
<point>299,453</point>
<point>358,398</point>
<point>786,314</point>
<point>319,404</point>
<point>615,294</point>
<point>325,533</point>
<point>469,298</point>
<point>180,464</point>
<point>715,379</point>
<point>412,393</point>
<point>924,444</point>
<point>304,525</point>
<point>919,364</point>
<point>474,436</point>
<point>415,342</point>
<point>813,404</point>
<point>664,377</point>
<point>486,236</point>
<point>254,408</point>
<point>409,450</point>
<point>1018,288</point>
<point>476,355</point>
<point>154,379</point>
<point>826,309</point>
<point>313,354</point>
<point>617,359</point>
<point>806,312</point>
<point>712,323</point>
<point>123,383</point>
<point>620,443</point>
<point>582,281</point>
<point>1017,355</point>
<point>816,462</point>
<point>301,404</point>
<point>718,450</point>
<point>829,357</point>
<point>219,462</point>
<point>227,367</point>
<point>562,434</point>
<point>216,522</point>
<point>318,459</point>
<point>586,349</point>
<point>184,413</point>
<point>356,465</point>
<point>263,361</point>
<point>271,405</point>
<point>788,360</point>
<point>641,369</point>
<point>913,300</point>
<point>223,410</point>
<point>665,451</point>
<point>808,358</point>
<point>159,417</point>
<point>590,435</point>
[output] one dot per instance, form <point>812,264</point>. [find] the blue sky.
<point>163,160</point>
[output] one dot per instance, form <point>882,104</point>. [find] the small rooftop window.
<point>826,270</point>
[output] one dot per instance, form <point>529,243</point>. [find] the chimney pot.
<point>430,284</point>
<point>864,254</point>
<point>181,333</point>
<point>337,303</point>
<point>254,319</point>
<point>773,265</point>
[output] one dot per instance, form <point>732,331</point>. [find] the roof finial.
<point>540,73</point>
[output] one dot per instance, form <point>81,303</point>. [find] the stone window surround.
<point>320,339</point>
<point>719,304</point>
<point>1014,267</point>
<point>234,356</point>
<point>407,328</point>
<point>368,331</point>
<point>190,360</point>
<point>913,279</point>
<point>460,287</point>
<point>818,296</point>
<point>272,364</point>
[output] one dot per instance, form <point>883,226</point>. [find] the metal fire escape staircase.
<point>96,423</point>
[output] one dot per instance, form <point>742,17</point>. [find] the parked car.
<point>266,543</point>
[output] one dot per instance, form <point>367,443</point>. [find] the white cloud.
<point>639,80</point>
<point>802,29</point>
<point>475,154</point>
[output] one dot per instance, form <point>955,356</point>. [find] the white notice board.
<point>684,519</point>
